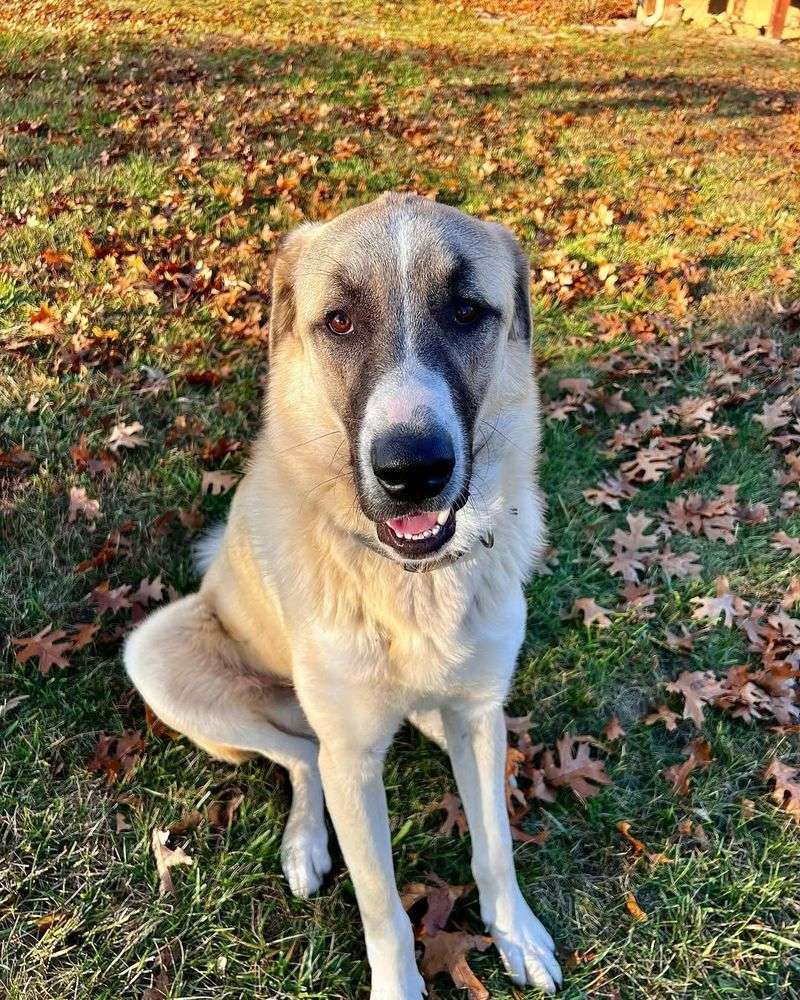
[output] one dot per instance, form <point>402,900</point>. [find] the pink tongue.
<point>412,525</point>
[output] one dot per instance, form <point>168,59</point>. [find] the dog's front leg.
<point>352,777</point>
<point>476,740</point>
<point>355,726</point>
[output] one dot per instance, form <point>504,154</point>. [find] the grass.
<point>184,132</point>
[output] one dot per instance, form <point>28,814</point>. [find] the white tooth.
<point>442,516</point>
<point>426,534</point>
<point>436,529</point>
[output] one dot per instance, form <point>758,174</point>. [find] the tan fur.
<point>300,633</point>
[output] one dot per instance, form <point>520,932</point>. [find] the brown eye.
<point>339,323</point>
<point>466,313</point>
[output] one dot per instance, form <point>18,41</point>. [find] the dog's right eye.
<point>339,322</point>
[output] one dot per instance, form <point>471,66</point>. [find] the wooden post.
<point>778,20</point>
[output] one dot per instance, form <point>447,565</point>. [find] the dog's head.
<point>402,312</point>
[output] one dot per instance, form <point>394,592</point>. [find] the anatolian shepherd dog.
<point>372,566</point>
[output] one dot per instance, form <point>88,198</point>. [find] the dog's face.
<point>404,308</point>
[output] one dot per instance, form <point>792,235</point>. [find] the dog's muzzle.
<point>413,470</point>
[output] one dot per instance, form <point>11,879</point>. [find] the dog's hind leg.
<point>191,674</point>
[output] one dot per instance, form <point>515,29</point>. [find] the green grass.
<point>426,96</point>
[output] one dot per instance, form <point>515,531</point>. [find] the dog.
<point>371,569</point>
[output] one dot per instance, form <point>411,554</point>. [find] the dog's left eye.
<point>339,322</point>
<point>466,313</point>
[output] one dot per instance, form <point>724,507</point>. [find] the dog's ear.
<point>522,324</point>
<point>284,290</point>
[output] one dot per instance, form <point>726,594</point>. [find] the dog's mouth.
<point>415,536</point>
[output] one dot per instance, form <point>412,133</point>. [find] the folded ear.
<point>522,324</point>
<point>284,274</point>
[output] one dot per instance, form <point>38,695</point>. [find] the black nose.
<point>413,467</point>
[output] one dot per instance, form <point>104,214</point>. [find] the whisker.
<point>302,444</point>
<point>326,482</point>
<point>519,447</point>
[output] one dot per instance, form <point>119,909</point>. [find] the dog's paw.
<point>412,987</point>
<point>528,951</point>
<point>305,861</point>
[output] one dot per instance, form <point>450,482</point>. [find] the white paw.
<point>305,860</point>
<point>528,951</point>
<point>412,987</point>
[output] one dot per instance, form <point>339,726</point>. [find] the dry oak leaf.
<point>110,600</point>
<point>446,951</point>
<point>218,482</point>
<point>592,613</point>
<point>523,837</point>
<point>775,415</point>
<point>610,491</point>
<point>222,811</point>
<point>649,464</point>
<point>780,540</point>
<point>116,755</point>
<point>698,755</point>
<point>725,603</point>
<point>665,715</point>
<point>786,792</point>
<point>699,688</point>
<point>574,768</point>
<point>166,858</point>
<point>440,898</point>
<point>148,592</point>
<point>84,634</point>
<point>126,436</point>
<point>683,643</point>
<point>681,565</point>
<point>612,730</point>
<point>638,597</point>
<point>455,819</point>
<point>79,503</point>
<point>792,594</point>
<point>48,647</point>
<point>519,723</point>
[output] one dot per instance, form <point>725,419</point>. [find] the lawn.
<point>150,156</point>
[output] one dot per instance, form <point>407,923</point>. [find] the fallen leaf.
<point>725,603</point>
<point>218,482</point>
<point>446,951</point>
<point>116,755</point>
<point>439,897</point>
<point>523,837</point>
<point>612,730</point>
<point>10,704</point>
<point>110,600</point>
<point>222,811</point>
<point>665,715</point>
<point>570,765</point>
<point>48,647</point>
<point>79,503</point>
<point>786,792</point>
<point>780,540</point>
<point>699,688</point>
<point>148,592</point>
<point>126,436</point>
<point>633,907</point>
<point>592,613</point>
<point>455,819</point>
<point>698,755</point>
<point>624,828</point>
<point>167,857</point>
